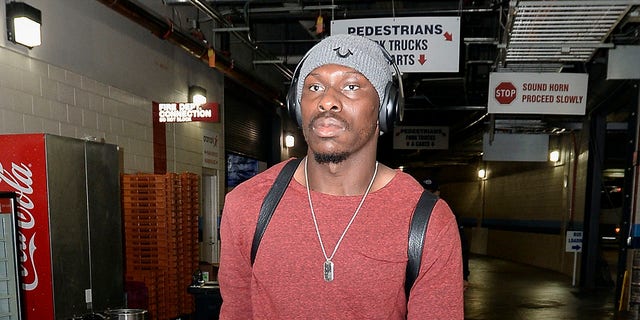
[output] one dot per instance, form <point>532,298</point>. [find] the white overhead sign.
<point>421,137</point>
<point>538,93</point>
<point>515,147</point>
<point>417,44</point>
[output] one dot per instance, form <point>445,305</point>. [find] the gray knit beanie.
<point>359,53</point>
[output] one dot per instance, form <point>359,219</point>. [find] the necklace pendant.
<point>328,271</point>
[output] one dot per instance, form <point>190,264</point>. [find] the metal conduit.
<point>164,29</point>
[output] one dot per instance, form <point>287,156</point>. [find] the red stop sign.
<point>505,92</point>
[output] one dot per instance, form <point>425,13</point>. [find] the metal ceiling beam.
<point>560,30</point>
<point>215,15</point>
<point>291,9</point>
<point>578,3</point>
<point>165,30</point>
<point>409,107</point>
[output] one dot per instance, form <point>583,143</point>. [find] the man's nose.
<point>330,100</point>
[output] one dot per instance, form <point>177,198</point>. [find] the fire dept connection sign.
<point>538,93</point>
<point>187,112</point>
<point>416,44</point>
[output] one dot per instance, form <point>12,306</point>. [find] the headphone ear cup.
<point>388,108</point>
<point>293,106</point>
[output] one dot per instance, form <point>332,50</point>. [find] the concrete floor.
<point>511,291</point>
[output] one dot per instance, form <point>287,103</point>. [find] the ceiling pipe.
<point>265,16</point>
<point>165,29</point>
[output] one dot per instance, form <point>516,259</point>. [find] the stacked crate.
<point>146,227</point>
<point>161,238</point>
<point>190,207</point>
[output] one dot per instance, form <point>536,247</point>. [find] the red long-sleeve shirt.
<point>286,281</point>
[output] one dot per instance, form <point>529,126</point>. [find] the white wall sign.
<point>574,241</point>
<point>538,93</point>
<point>417,44</point>
<point>574,244</point>
<point>211,149</point>
<point>421,137</point>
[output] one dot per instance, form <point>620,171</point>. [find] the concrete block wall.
<point>184,148</point>
<point>523,216</point>
<point>533,195</point>
<point>38,97</point>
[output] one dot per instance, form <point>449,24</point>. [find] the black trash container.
<point>208,300</point>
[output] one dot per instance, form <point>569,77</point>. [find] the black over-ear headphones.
<point>392,102</point>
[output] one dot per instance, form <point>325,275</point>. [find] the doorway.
<point>210,226</point>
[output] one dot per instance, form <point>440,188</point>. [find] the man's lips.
<point>327,127</point>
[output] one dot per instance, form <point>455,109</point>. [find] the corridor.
<point>503,290</point>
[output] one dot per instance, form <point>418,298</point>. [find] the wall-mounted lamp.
<point>197,95</point>
<point>289,141</point>
<point>482,174</point>
<point>23,24</point>
<point>554,156</point>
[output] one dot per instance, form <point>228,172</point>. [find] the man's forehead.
<point>336,68</point>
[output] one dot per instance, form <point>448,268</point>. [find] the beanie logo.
<point>342,54</point>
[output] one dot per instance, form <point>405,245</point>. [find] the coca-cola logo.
<point>19,178</point>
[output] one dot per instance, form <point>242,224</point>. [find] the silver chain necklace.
<point>328,262</point>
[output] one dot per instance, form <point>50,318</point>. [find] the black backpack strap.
<point>270,202</point>
<point>417,231</point>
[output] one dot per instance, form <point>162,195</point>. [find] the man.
<point>336,246</point>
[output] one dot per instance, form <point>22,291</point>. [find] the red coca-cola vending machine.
<point>69,223</point>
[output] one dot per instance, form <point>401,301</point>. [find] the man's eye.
<point>352,87</point>
<point>315,87</point>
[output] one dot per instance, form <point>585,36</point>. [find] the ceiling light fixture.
<point>289,141</point>
<point>23,24</point>
<point>197,95</point>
